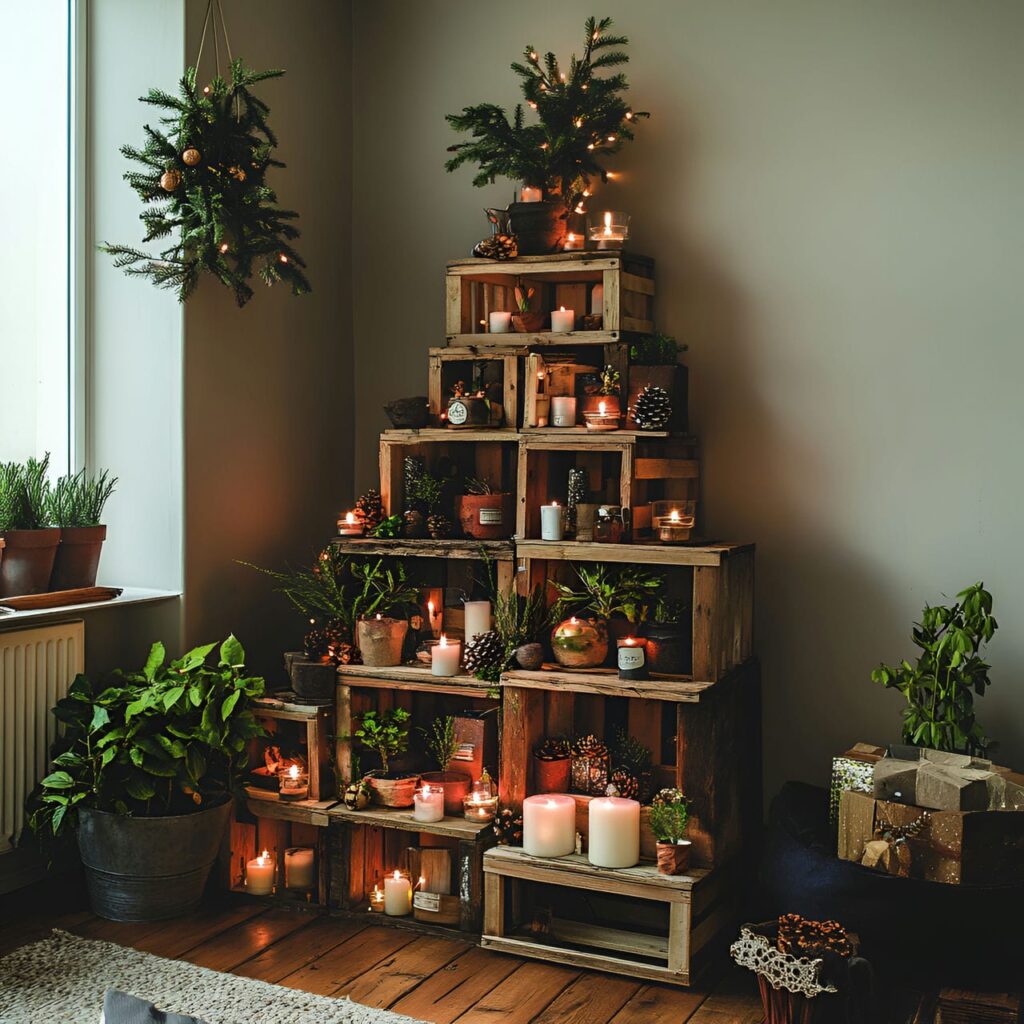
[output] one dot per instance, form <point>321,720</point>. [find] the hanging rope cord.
<point>213,9</point>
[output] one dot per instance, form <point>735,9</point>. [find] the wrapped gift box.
<point>956,847</point>
<point>854,769</point>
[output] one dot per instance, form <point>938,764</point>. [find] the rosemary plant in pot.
<point>442,746</point>
<point>145,772</point>
<point>669,817</point>
<point>29,536</point>
<point>76,505</point>
<point>386,733</point>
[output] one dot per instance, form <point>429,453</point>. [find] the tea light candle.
<point>549,825</point>
<point>478,618</point>
<point>632,658</point>
<point>428,804</point>
<point>530,194</point>
<point>293,784</point>
<point>610,231</point>
<point>572,241</point>
<point>551,521</point>
<point>603,419</point>
<point>259,875</point>
<point>350,526</point>
<point>674,528</point>
<point>298,868</point>
<point>614,832</point>
<point>562,320</point>
<point>377,900</point>
<point>499,322</point>
<point>436,618</point>
<point>563,411</point>
<point>444,657</point>
<point>398,895</point>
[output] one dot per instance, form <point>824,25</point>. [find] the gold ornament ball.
<point>170,180</point>
<point>191,156</point>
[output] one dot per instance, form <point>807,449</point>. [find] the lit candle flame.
<point>397,875</point>
<point>572,237</point>
<point>443,642</point>
<point>263,858</point>
<point>561,309</point>
<point>608,224</point>
<point>430,608</point>
<point>378,616</point>
<point>293,772</point>
<point>574,621</point>
<point>629,641</point>
<point>601,408</point>
<point>350,518</point>
<point>674,516</point>
<point>421,882</point>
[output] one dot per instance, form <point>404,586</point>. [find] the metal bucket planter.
<point>149,869</point>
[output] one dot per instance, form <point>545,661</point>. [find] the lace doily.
<point>780,970</point>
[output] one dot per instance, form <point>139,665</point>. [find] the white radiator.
<point>36,668</point>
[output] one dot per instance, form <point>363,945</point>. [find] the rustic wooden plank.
<point>606,682</point>
<point>463,982</point>
<point>667,469</point>
<point>633,283</point>
<point>174,938</point>
<point>590,999</point>
<point>400,972</point>
<point>633,325</point>
<point>229,949</point>
<point>494,904</point>
<point>657,1004</point>
<point>646,552</point>
<point>679,945</point>
<point>523,995</point>
<point>522,729</point>
<point>545,339</point>
<point>612,301</point>
<point>300,948</point>
<point>453,304</point>
<point>342,730</point>
<point>589,438</point>
<point>309,812</point>
<point>402,818</point>
<point>734,999</point>
<point>558,713</point>
<point>562,265</point>
<point>430,434</point>
<point>510,389</point>
<point>579,933</point>
<point>389,464</point>
<point>426,548</point>
<point>434,387</point>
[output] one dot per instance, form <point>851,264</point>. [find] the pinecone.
<point>652,408</point>
<point>415,523</point>
<point>338,641</point>
<point>439,526</point>
<point>508,827</point>
<point>369,509</point>
<point>486,651</point>
<point>624,783</point>
<point>497,247</point>
<point>315,644</point>
<point>589,746</point>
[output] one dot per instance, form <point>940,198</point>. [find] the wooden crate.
<point>705,739</point>
<point>476,287</point>
<point>556,372</point>
<point>624,467</point>
<point>497,370</point>
<point>309,730</point>
<point>651,925</point>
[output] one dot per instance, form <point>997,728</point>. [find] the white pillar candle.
<point>597,300</point>
<point>563,411</point>
<point>563,320</point>
<point>478,618</point>
<point>614,840</point>
<point>428,803</point>
<point>298,868</point>
<point>549,825</point>
<point>444,657</point>
<point>529,194</point>
<point>551,519</point>
<point>397,895</point>
<point>259,875</point>
<point>500,322</point>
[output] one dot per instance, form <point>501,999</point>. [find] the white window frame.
<point>79,450</point>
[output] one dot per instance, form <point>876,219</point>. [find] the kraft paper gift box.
<point>939,780</point>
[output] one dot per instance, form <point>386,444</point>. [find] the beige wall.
<point>832,193</point>
<point>268,389</point>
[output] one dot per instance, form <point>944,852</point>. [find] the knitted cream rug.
<point>62,980</point>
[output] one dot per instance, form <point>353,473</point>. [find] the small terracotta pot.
<point>552,776</point>
<point>529,323</point>
<point>78,557</point>
<point>485,516</point>
<point>530,657</point>
<point>28,561</point>
<point>393,792</point>
<point>456,786</point>
<point>540,228</point>
<point>674,858</point>
<point>380,641</point>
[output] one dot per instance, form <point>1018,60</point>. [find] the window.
<point>38,177</point>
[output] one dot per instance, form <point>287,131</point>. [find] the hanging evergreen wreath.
<point>204,177</point>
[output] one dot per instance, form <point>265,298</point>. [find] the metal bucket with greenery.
<point>145,773</point>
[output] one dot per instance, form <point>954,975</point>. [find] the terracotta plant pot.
<point>674,858</point>
<point>667,648</point>
<point>580,643</point>
<point>456,786</point>
<point>540,228</point>
<point>552,776</point>
<point>28,561</point>
<point>380,641</point>
<point>530,657</point>
<point>486,516</point>
<point>393,792</point>
<point>78,557</point>
<point>529,323</point>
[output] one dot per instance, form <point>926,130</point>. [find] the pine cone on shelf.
<point>369,509</point>
<point>439,526</point>
<point>485,653</point>
<point>338,642</point>
<point>623,783</point>
<point>497,247</point>
<point>652,409</point>
<point>315,644</point>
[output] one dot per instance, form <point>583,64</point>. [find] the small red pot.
<point>78,557</point>
<point>552,776</point>
<point>486,516</point>
<point>28,561</point>
<point>674,858</point>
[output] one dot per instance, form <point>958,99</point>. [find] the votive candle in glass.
<point>572,241</point>
<point>293,783</point>
<point>376,900</point>
<point>350,526</point>
<point>298,868</point>
<point>549,825</point>
<point>609,229</point>
<point>530,194</point>
<point>428,804</point>
<point>631,657</point>
<point>397,895</point>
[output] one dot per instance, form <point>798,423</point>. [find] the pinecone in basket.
<point>315,644</point>
<point>439,526</point>
<point>369,509</point>
<point>624,783</point>
<point>652,408</point>
<point>485,653</point>
<point>497,247</point>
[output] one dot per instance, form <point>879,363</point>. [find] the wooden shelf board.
<point>428,434</point>
<point>411,677</point>
<point>605,682</point>
<point>643,552</point>
<point>584,257</point>
<point>541,339</point>
<point>473,351</point>
<point>579,933</point>
<point>426,548</point>
<point>401,818</point>
<point>293,899</point>
<point>575,433</point>
<point>289,714</point>
<point>306,812</point>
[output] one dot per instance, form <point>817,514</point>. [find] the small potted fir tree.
<point>441,746</point>
<point>669,817</point>
<point>386,733</point>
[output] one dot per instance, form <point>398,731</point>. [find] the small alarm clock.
<point>458,412</point>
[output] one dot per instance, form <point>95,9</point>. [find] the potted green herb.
<point>29,536</point>
<point>483,512</point>
<point>146,768</point>
<point>668,634</point>
<point>442,746</point>
<point>669,815</point>
<point>386,733</point>
<point>654,361</point>
<point>381,611</point>
<point>950,672</point>
<point>76,505</point>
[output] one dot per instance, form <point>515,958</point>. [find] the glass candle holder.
<point>608,229</point>
<point>350,526</point>
<point>376,900</point>
<point>672,521</point>
<point>293,783</point>
<point>481,803</point>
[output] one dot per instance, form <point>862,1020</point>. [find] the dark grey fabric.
<point>119,1008</point>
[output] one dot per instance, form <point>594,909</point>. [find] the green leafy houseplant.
<point>25,495</point>
<point>950,671</point>
<point>386,733</point>
<point>79,500</point>
<point>670,813</point>
<point>655,350</point>
<point>166,740</point>
<point>604,592</point>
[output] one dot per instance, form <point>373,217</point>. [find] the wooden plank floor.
<point>442,980</point>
